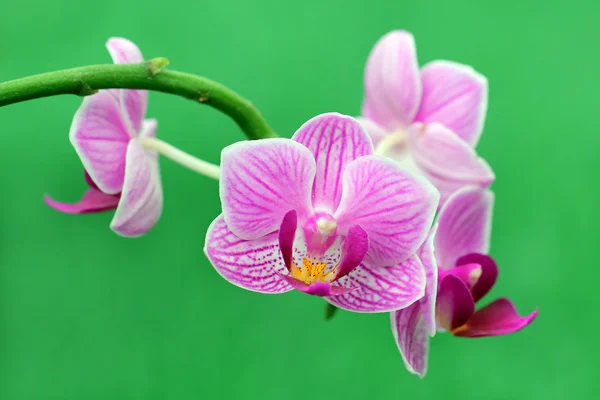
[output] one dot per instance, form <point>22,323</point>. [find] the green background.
<point>85,314</point>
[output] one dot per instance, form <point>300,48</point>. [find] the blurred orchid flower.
<point>429,120</point>
<point>466,274</point>
<point>319,213</point>
<point>121,173</point>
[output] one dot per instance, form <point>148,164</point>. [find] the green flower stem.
<point>149,75</point>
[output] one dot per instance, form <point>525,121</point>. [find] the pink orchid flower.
<point>319,213</point>
<point>121,173</point>
<point>429,120</point>
<point>466,274</point>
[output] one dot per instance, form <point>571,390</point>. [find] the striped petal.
<point>456,96</point>
<point>134,102</point>
<point>392,81</point>
<point>261,181</point>
<point>411,335</point>
<point>142,197</point>
<point>382,289</point>
<point>335,140</point>
<point>394,207</point>
<point>100,135</point>
<point>250,264</point>
<point>427,303</point>
<point>464,225</point>
<point>447,161</point>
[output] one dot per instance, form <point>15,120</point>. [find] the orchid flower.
<point>107,134</point>
<point>466,275</point>
<point>428,120</point>
<point>319,213</point>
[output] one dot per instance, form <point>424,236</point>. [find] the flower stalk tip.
<point>156,65</point>
<point>330,311</point>
<point>86,90</point>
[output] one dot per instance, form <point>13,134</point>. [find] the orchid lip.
<point>320,232</point>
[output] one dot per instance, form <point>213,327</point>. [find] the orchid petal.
<point>250,264</point>
<point>488,276</point>
<point>356,245</point>
<point>89,181</point>
<point>148,129</point>
<point>412,338</point>
<point>335,140</point>
<point>92,201</point>
<point>134,102</point>
<point>465,225</point>
<point>124,51</point>
<point>469,274</point>
<point>142,197</point>
<point>286,236</point>
<point>497,318</point>
<point>100,137</point>
<point>456,96</point>
<point>375,131</point>
<point>392,81</point>
<point>393,206</point>
<point>447,161</point>
<point>427,303</point>
<point>382,289</point>
<point>454,304</point>
<point>261,181</point>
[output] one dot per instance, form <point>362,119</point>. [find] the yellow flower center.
<point>311,272</point>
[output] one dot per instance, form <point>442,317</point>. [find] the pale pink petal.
<point>456,96</point>
<point>149,127</point>
<point>373,129</point>
<point>335,140</point>
<point>394,207</point>
<point>261,181</point>
<point>497,318</point>
<point>100,137</point>
<point>392,81</point>
<point>411,334</point>
<point>92,201</point>
<point>134,103</point>
<point>250,264</point>
<point>427,303</point>
<point>464,225</point>
<point>142,197</point>
<point>124,51</point>
<point>382,289</point>
<point>447,161</point>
